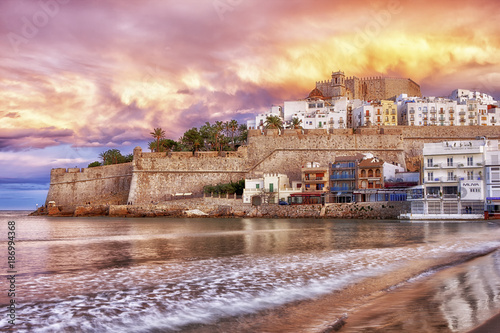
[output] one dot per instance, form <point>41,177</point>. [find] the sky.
<point>80,77</point>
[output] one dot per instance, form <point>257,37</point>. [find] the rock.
<point>118,211</point>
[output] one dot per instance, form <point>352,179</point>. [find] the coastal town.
<point>349,142</point>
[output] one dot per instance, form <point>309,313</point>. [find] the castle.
<point>156,177</point>
<point>367,89</point>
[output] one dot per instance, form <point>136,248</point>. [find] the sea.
<point>101,274</point>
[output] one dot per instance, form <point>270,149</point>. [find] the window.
<point>430,163</point>
<point>449,161</point>
<point>450,175</point>
<point>271,187</point>
<point>430,176</point>
<point>470,175</point>
<point>257,186</point>
<point>470,161</point>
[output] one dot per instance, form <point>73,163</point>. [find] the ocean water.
<point>249,275</point>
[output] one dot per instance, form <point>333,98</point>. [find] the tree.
<point>192,139</point>
<point>231,129</point>
<point>242,133</point>
<point>111,156</point>
<point>273,122</point>
<point>94,164</point>
<point>168,145</point>
<point>158,134</point>
<point>295,124</point>
<point>152,146</point>
<point>218,128</point>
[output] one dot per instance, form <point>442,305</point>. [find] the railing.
<point>462,120</point>
<point>341,189</point>
<point>412,111</point>
<point>342,177</point>
<point>315,178</point>
<point>451,111</point>
<point>471,116</point>
<point>342,165</point>
<point>433,111</point>
<point>461,113</point>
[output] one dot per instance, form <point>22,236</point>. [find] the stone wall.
<point>153,177</point>
<point>215,207</point>
<point>98,185</point>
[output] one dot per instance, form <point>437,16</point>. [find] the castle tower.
<point>338,84</point>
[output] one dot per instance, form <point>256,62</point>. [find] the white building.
<point>260,119</point>
<point>271,188</point>
<point>462,96</point>
<point>492,174</point>
<point>380,113</point>
<point>454,182</point>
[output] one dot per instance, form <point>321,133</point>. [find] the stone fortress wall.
<point>153,177</point>
<point>372,88</point>
<point>104,185</point>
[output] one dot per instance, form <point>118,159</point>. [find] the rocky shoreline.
<point>213,207</point>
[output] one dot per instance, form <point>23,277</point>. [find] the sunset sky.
<point>80,77</point>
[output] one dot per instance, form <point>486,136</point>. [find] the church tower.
<point>338,84</point>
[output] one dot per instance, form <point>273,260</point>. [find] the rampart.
<point>153,177</point>
<point>98,185</point>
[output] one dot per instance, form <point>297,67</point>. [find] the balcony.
<point>451,165</point>
<point>493,121</point>
<point>433,110</point>
<point>441,111</point>
<point>462,120</point>
<point>433,118</point>
<point>343,166</point>
<point>315,180</point>
<point>393,112</point>
<point>452,118</point>
<point>451,111</point>
<point>424,111</point>
<point>471,116</point>
<point>433,166</point>
<point>341,189</point>
<point>461,113</point>
<point>333,177</point>
<point>412,111</point>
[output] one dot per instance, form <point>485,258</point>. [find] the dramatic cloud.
<point>103,73</point>
<point>109,71</point>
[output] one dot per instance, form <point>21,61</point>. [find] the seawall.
<point>216,207</point>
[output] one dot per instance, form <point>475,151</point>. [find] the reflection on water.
<point>149,275</point>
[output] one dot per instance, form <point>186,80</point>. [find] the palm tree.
<point>218,128</point>
<point>295,124</point>
<point>158,134</point>
<point>274,122</point>
<point>152,146</point>
<point>231,128</point>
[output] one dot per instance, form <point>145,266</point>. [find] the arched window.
<point>370,173</point>
<point>377,173</point>
<point>363,173</point>
<point>364,184</point>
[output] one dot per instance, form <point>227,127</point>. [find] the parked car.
<point>283,202</point>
